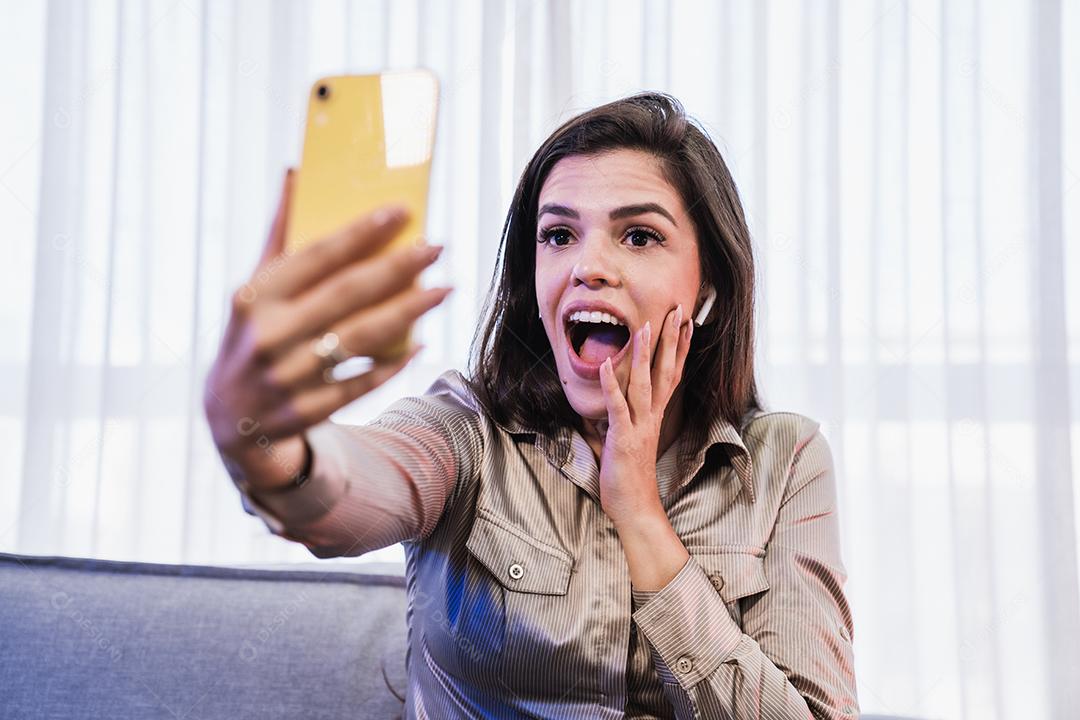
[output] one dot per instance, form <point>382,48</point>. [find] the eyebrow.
<point>617,213</point>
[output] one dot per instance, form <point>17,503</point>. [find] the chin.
<point>588,404</point>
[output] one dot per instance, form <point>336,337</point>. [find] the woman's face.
<point>611,234</point>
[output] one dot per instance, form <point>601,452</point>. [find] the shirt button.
<point>684,664</point>
<point>516,571</point>
<point>717,582</point>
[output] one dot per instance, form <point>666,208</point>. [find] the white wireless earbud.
<point>706,306</point>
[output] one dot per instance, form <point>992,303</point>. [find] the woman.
<point>600,521</point>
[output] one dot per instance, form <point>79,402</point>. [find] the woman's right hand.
<point>267,384</point>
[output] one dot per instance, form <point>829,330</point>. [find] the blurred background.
<point>910,171</point>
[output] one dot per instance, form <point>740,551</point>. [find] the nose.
<point>596,265</point>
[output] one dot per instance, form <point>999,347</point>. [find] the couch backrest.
<point>97,638</point>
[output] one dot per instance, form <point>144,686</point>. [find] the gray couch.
<point>103,639</point>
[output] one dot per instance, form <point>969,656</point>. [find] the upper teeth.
<point>593,317</point>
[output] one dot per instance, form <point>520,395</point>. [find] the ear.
<point>706,298</point>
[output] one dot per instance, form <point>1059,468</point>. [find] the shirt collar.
<point>698,439</point>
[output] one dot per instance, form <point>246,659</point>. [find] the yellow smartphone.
<point>368,142</point>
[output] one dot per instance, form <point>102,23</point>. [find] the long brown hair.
<point>512,365</point>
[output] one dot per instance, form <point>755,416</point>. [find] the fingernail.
<point>678,316</point>
<point>648,331</point>
<point>427,252</point>
<point>388,215</point>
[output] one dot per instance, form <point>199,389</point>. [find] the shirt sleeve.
<point>793,656</point>
<point>383,482</point>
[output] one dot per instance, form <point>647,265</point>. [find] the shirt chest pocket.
<point>533,578</point>
<point>519,562</point>
<point>738,576</point>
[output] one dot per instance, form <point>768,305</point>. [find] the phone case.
<point>368,142</point>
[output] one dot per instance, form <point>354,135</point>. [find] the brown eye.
<point>547,234</point>
<point>646,234</point>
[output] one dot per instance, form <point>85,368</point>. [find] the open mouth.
<point>595,340</point>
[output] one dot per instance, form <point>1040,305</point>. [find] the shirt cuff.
<point>638,598</point>
<point>687,625</point>
<point>284,512</point>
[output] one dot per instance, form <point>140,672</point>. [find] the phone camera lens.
<point>323,92</point>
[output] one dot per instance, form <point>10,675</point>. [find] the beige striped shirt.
<point>519,595</point>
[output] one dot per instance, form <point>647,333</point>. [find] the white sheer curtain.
<point>910,170</point>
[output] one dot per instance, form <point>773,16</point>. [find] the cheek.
<point>548,290</point>
<point>657,301</point>
<point>547,303</point>
<point>542,281</point>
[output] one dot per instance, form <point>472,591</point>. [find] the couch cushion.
<point>97,638</point>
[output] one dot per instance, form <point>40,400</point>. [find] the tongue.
<point>600,344</point>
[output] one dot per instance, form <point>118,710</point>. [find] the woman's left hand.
<point>628,462</point>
